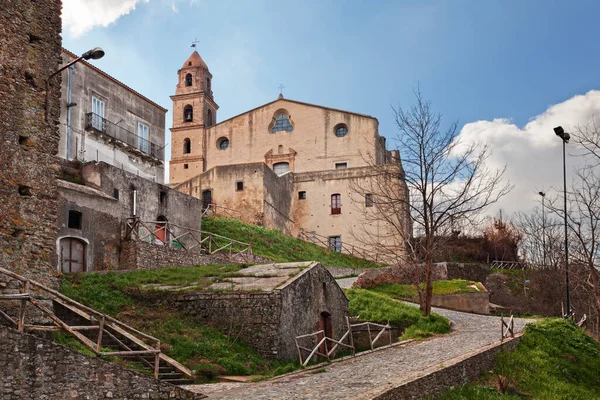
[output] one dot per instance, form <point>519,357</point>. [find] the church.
<point>288,165</point>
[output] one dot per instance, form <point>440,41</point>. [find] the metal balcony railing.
<point>97,123</point>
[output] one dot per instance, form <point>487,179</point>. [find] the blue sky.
<point>477,61</point>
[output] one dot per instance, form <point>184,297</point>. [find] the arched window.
<point>281,168</point>
<point>188,113</point>
<point>209,118</point>
<point>282,123</point>
<point>336,203</point>
<point>187,146</point>
<point>188,80</point>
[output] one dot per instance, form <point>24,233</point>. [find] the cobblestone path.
<point>369,375</point>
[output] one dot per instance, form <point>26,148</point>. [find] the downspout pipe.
<point>69,105</point>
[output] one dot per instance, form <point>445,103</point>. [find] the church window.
<point>188,113</point>
<point>208,85</point>
<point>282,123</point>
<point>223,143</point>
<point>185,166</point>
<point>335,243</point>
<point>187,146</point>
<point>239,186</point>
<point>341,165</point>
<point>281,168</point>
<point>302,195</point>
<point>209,118</point>
<point>336,203</point>
<point>188,79</point>
<point>341,130</point>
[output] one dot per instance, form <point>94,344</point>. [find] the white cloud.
<point>79,16</point>
<point>533,154</point>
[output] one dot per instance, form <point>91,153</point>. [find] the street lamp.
<point>560,132</point>
<point>543,228</point>
<point>92,54</point>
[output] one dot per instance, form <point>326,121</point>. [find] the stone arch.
<point>187,146</point>
<point>188,80</point>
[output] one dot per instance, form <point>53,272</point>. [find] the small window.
<point>208,84</point>
<point>341,165</point>
<point>239,186</point>
<point>281,168</point>
<point>336,203</point>
<point>143,136</point>
<point>209,118</point>
<point>223,143</point>
<point>187,146</point>
<point>116,193</point>
<point>190,63</point>
<point>74,219</point>
<point>341,130</point>
<point>335,243</point>
<point>185,166</point>
<point>282,123</point>
<point>188,113</point>
<point>162,197</point>
<point>368,199</point>
<point>302,195</point>
<point>188,79</point>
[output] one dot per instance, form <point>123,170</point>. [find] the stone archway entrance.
<point>72,255</point>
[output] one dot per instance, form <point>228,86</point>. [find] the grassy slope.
<point>555,360</point>
<point>408,292</point>
<point>273,244</point>
<point>380,308</point>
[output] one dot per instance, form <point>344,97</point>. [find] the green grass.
<point>376,307</point>
<point>273,244</point>
<point>555,360</point>
<point>409,292</point>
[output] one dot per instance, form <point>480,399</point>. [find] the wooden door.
<point>72,255</point>
<point>206,198</point>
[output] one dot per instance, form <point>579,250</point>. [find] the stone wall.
<point>253,316</point>
<point>478,303</point>
<point>30,42</point>
<point>459,371</point>
<point>34,368</point>
<point>471,272</point>
<point>141,255</point>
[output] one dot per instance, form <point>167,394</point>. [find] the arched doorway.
<point>160,230</point>
<point>72,255</point>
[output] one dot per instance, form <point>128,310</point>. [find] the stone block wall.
<point>254,316</point>
<point>34,368</point>
<point>142,255</point>
<point>478,303</point>
<point>31,44</point>
<point>460,371</point>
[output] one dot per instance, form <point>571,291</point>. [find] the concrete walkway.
<point>369,375</point>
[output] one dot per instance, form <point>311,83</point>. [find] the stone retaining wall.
<point>35,368</point>
<point>142,255</point>
<point>478,303</point>
<point>459,371</point>
<point>340,272</point>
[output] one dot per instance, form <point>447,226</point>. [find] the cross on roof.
<point>195,42</point>
<point>281,87</point>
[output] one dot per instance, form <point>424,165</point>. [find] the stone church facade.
<point>286,164</point>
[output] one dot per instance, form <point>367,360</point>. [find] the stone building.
<point>286,164</point>
<point>93,215</point>
<point>102,119</point>
<point>267,306</point>
<point>30,42</point>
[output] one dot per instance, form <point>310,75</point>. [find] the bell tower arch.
<point>194,110</point>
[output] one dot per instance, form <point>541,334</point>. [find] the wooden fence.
<point>178,237</point>
<point>139,343</point>
<point>220,211</point>
<point>322,348</point>
<point>507,328</point>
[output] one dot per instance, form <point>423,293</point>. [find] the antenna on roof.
<point>194,42</point>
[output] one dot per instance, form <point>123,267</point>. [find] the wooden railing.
<point>214,209</point>
<point>183,238</point>
<point>509,264</point>
<point>140,344</point>
<point>322,348</point>
<point>507,328</point>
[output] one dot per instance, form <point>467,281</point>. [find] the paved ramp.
<point>372,374</point>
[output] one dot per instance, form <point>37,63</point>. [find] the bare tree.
<point>442,182</point>
<point>542,244</point>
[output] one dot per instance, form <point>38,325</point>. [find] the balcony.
<point>122,137</point>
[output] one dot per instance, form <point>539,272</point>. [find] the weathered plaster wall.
<point>254,316</point>
<point>34,368</point>
<point>278,192</point>
<point>30,42</point>
<point>122,107</point>
<point>303,301</point>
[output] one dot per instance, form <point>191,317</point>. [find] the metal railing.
<point>323,341</point>
<point>139,343</point>
<point>182,238</point>
<point>136,143</point>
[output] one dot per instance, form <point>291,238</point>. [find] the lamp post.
<point>560,132</point>
<point>543,228</point>
<point>92,54</point>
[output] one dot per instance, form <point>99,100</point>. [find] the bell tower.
<point>194,110</point>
